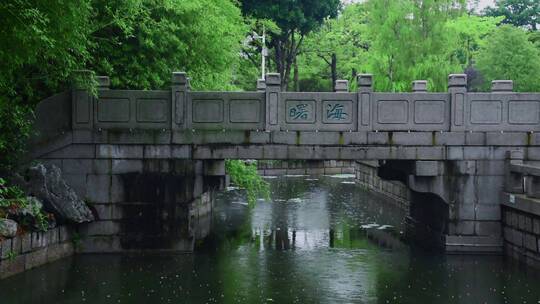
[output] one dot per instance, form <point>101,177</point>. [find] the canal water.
<point>320,240</point>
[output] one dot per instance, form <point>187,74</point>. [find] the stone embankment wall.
<point>396,192</point>
<point>139,203</point>
<point>34,249</point>
<point>520,209</point>
<point>522,236</point>
<point>521,229</point>
<point>308,167</point>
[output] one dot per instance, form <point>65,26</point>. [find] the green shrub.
<point>25,211</point>
<point>15,128</point>
<point>245,176</point>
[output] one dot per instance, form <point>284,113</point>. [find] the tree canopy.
<point>522,13</point>
<point>296,19</point>
<point>140,42</point>
<point>508,54</point>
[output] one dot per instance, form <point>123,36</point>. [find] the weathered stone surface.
<point>8,228</point>
<point>12,266</point>
<point>36,258</point>
<point>46,184</point>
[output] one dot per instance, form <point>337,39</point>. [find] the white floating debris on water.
<point>348,182</point>
<point>295,175</point>
<point>383,227</point>
<point>343,176</point>
<point>270,176</point>
<point>279,200</point>
<point>295,200</point>
<point>232,188</point>
<point>369,226</point>
<point>311,179</point>
<point>240,203</point>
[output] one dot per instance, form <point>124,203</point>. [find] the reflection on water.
<point>319,241</point>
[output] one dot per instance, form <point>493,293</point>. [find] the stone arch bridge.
<point>451,149</point>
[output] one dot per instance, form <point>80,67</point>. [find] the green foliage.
<point>409,41</point>
<point>42,42</point>
<point>508,54</point>
<point>295,19</point>
<point>138,43</point>
<point>246,176</point>
<point>335,51</point>
<point>521,13</point>
<point>11,255</point>
<point>15,205</point>
<point>15,128</point>
<point>467,33</point>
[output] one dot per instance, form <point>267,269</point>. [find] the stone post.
<point>273,88</point>
<point>502,86</point>
<point>457,87</point>
<point>365,89</point>
<point>419,86</point>
<point>261,85</point>
<point>342,86</point>
<point>104,82</point>
<point>179,91</point>
<point>514,181</point>
<point>82,102</point>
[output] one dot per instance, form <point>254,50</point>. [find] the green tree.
<point>41,42</point>
<point>140,42</point>
<point>508,54</point>
<point>336,50</point>
<point>409,40</point>
<point>295,18</point>
<point>467,33</point>
<point>522,13</point>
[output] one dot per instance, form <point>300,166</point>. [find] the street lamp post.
<point>264,51</point>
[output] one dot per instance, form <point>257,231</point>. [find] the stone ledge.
<point>34,249</point>
<point>521,202</point>
<point>473,244</point>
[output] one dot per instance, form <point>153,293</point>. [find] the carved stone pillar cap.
<point>419,86</point>
<point>273,79</point>
<point>502,86</point>
<point>103,81</point>
<point>341,86</point>
<point>365,80</point>
<point>261,84</point>
<point>179,78</point>
<point>457,80</point>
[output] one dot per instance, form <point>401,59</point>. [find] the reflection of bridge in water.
<point>449,148</point>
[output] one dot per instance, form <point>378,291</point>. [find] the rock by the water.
<point>8,228</point>
<point>46,184</point>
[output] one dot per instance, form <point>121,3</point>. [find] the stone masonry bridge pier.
<point>124,147</point>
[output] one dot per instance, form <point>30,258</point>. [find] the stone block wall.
<point>396,191</point>
<point>34,249</point>
<point>522,236</point>
<point>142,199</point>
<point>307,167</point>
